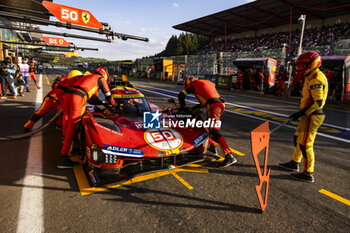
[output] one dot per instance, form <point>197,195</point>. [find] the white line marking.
<point>30,217</point>
<point>247,115</point>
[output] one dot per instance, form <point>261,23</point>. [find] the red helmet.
<point>103,72</point>
<point>188,81</point>
<point>307,62</point>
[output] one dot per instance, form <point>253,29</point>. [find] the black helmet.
<point>7,60</point>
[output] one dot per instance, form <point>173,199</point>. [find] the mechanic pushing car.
<point>314,95</point>
<point>208,97</point>
<point>74,104</point>
<point>50,101</point>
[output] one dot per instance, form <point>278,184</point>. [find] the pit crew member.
<point>74,104</point>
<point>32,72</point>
<point>50,101</point>
<point>314,95</point>
<point>208,97</point>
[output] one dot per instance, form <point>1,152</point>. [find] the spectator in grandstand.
<point>325,36</point>
<point>7,70</point>
<point>311,115</point>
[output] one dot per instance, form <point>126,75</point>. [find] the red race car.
<point>117,145</point>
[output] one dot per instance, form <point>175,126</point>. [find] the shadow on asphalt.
<point>128,196</point>
<point>248,174</point>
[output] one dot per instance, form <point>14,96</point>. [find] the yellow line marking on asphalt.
<point>193,165</point>
<point>237,152</point>
<point>47,79</point>
<point>335,196</point>
<point>83,183</point>
<point>220,158</point>
<point>85,188</point>
<point>192,169</point>
<point>181,180</point>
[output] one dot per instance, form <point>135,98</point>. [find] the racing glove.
<point>94,100</point>
<point>296,116</point>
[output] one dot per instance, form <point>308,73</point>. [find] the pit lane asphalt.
<point>222,200</point>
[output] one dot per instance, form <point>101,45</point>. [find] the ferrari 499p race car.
<point>116,145</point>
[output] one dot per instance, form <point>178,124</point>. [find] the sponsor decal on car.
<point>200,139</point>
<point>122,151</point>
<point>163,139</point>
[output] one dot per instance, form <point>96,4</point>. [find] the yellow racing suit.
<point>313,99</point>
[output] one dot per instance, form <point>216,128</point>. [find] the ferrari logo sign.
<point>55,41</point>
<point>72,15</point>
<point>86,17</point>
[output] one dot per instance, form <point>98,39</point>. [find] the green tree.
<point>185,43</point>
<point>194,44</point>
<point>180,48</point>
<point>171,46</point>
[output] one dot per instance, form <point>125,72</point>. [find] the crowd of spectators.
<point>15,76</point>
<point>313,37</point>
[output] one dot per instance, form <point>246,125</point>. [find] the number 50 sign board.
<point>72,15</point>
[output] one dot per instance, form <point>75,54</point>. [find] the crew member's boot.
<point>303,176</point>
<point>290,166</point>
<point>65,162</point>
<point>229,160</point>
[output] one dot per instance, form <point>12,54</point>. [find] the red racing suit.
<point>239,80</point>
<point>32,74</point>
<point>74,104</point>
<point>51,101</point>
<point>57,81</point>
<point>208,97</point>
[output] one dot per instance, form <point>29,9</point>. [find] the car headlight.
<point>103,158</point>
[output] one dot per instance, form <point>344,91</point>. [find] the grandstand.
<point>268,24</point>
<point>272,29</point>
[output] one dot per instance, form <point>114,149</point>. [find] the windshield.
<point>133,105</point>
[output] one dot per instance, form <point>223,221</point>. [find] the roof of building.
<point>263,14</point>
<point>25,7</point>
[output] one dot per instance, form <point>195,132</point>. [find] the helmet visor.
<point>301,67</point>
